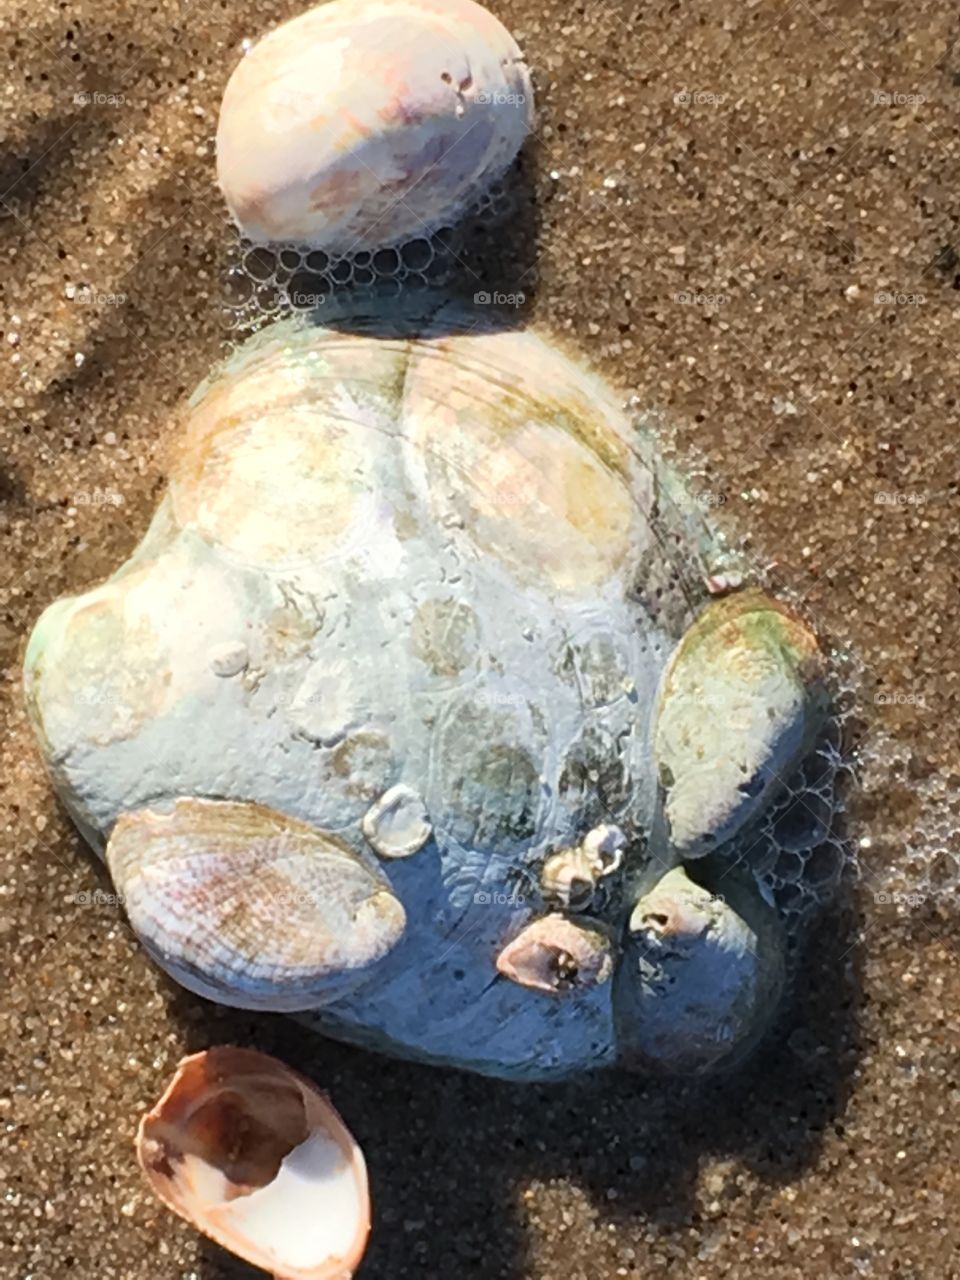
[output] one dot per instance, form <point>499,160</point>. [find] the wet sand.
<point>747,217</point>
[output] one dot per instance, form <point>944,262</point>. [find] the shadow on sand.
<point>449,1153</point>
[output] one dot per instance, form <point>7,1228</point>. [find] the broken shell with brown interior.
<point>359,124</point>
<point>255,1157</point>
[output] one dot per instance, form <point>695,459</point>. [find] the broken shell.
<point>362,123</point>
<point>557,955</point>
<point>568,879</point>
<point>721,584</point>
<point>604,845</point>
<point>255,1157</point>
<point>700,977</point>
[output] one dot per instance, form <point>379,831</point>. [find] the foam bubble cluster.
<point>270,282</point>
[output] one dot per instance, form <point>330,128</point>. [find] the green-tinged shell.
<point>741,703</point>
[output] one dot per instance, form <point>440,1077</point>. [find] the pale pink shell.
<point>364,123</point>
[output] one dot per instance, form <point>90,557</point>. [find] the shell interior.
<point>256,1158</point>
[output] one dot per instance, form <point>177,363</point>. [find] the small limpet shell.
<point>254,1156</point>
<point>397,825</point>
<point>701,976</point>
<point>362,123</point>
<point>556,955</point>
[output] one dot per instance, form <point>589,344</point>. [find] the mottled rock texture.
<point>810,204</point>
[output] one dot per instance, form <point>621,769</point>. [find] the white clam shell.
<point>362,123</point>
<point>255,1157</point>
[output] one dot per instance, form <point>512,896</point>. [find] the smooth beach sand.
<point>747,215</point>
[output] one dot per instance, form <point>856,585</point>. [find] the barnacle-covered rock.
<point>389,716</point>
<point>362,123</point>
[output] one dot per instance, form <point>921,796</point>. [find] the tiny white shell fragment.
<point>229,659</point>
<point>569,876</point>
<point>397,825</point>
<point>604,845</point>
<point>721,584</point>
<point>362,123</point>
<point>253,1155</point>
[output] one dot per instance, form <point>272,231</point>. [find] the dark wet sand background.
<point>824,417</point>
